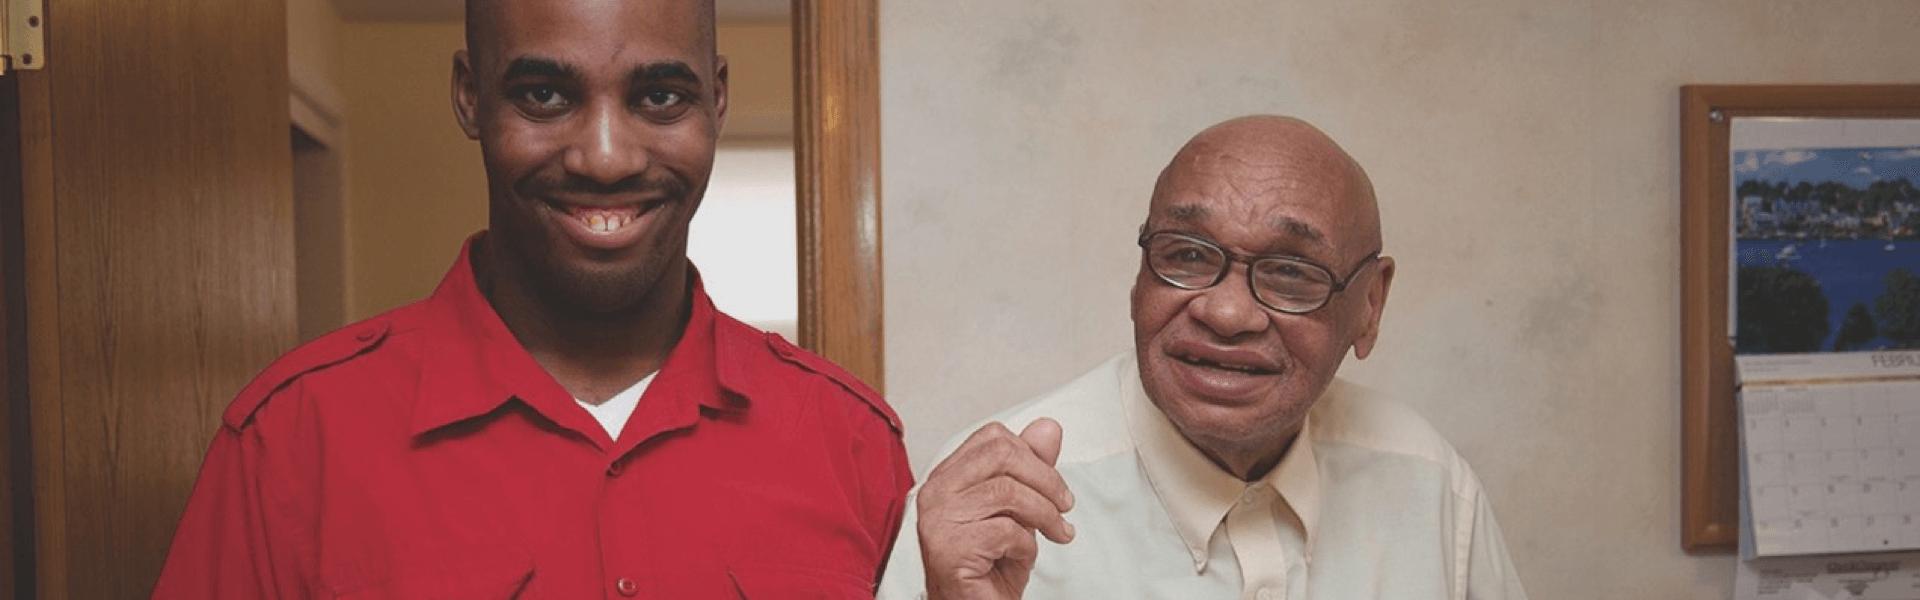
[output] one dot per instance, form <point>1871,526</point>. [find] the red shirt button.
<point>627,587</point>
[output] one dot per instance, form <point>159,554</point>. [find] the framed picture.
<point>1800,232</point>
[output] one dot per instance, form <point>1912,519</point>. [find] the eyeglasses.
<point>1287,284</point>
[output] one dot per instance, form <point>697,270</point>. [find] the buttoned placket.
<point>621,581</point>
<point>1252,530</point>
<point>617,521</point>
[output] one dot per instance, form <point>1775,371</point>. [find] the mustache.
<point>577,186</point>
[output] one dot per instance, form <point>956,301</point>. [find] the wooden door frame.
<point>837,164</point>
<point>45,441</point>
<point>16,452</point>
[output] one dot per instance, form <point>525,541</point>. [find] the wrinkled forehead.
<point>1291,193</point>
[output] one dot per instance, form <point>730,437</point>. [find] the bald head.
<point>1262,163</point>
<point>483,16</point>
<point>1273,205</point>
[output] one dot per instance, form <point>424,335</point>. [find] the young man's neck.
<point>593,355</point>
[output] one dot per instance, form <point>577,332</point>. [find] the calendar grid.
<point>1832,466</point>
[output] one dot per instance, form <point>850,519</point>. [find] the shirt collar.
<point>471,364</point>
<point>1197,493</point>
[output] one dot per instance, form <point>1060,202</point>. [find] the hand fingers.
<point>993,451</point>
<point>1009,498</point>
<point>980,507</point>
<point>1043,436</point>
<point>996,540</point>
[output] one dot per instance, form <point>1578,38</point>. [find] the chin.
<point>1228,428</point>
<point>611,289</point>
<point>1223,428</point>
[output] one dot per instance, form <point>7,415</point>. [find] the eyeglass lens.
<point>1186,262</point>
<point>1282,283</point>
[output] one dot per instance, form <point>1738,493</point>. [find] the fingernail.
<point>1069,525</point>
<point>1069,499</point>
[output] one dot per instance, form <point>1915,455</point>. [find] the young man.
<point>567,416</point>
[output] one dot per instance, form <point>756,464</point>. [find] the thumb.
<point>1043,436</point>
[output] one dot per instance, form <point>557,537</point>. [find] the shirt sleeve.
<point>890,477</point>
<point>230,543</point>
<point>1490,574</point>
<point>905,578</point>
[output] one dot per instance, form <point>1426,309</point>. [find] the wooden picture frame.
<point>837,164</point>
<point>1710,476</point>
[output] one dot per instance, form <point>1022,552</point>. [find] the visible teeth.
<point>1207,363</point>
<point>605,223</point>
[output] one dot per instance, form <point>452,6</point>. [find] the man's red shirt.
<point>424,454</point>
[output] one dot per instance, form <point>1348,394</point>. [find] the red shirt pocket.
<point>790,582</point>
<point>473,574</point>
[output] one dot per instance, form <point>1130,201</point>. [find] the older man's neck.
<point>1250,463</point>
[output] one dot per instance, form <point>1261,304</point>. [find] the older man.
<point>1221,458</point>
<point>567,416</point>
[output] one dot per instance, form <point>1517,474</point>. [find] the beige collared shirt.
<point>1369,502</point>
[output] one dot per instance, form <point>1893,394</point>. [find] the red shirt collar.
<point>471,365</point>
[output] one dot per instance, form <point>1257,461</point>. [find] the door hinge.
<point>21,44</point>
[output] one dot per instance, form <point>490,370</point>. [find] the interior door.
<point>16,475</point>
<point>156,188</point>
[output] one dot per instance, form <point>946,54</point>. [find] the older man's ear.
<point>1376,304</point>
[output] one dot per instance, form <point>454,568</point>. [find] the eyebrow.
<point>543,67</point>
<point>1293,228</point>
<point>1188,213</point>
<point>1300,229</point>
<point>534,66</point>
<point>661,71</point>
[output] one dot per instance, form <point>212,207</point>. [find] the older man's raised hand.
<point>980,507</point>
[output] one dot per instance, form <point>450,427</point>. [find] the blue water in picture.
<point>1849,271</point>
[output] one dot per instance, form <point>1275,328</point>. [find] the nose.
<point>1228,308</point>
<point>607,145</point>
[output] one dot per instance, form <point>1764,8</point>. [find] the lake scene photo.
<point>1827,249</point>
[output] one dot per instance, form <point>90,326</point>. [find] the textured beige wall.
<point>1525,153</point>
<point>417,186</point>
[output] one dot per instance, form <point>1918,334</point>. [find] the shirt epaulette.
<point>324,351</point>
<point>813,362</point>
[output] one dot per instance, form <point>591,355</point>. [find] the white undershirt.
<point>613,413</point>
